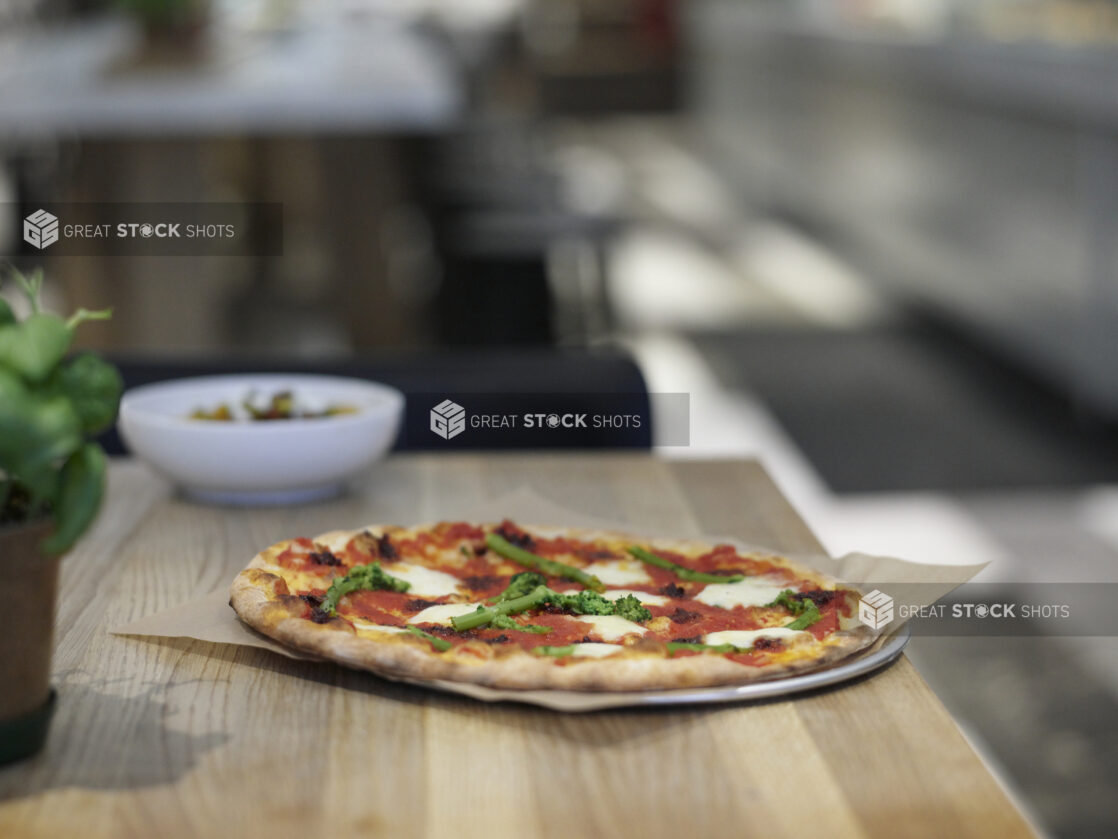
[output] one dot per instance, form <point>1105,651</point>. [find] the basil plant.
<point>50,408</point>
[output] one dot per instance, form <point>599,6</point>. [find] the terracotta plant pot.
<point>27,603</point>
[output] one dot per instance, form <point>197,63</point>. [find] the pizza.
<point>532,607</point>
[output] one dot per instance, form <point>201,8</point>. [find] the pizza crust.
<point>262,601</point>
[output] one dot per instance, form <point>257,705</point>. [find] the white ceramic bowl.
<point>275,462</point>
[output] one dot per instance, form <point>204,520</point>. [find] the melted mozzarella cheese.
<point>365,625</point>
<point>299,580</point>
<point>335,540</point>
<point>623,572</point>
<point>642,596</point>
<point>425,582</point>
<point>745,593</point>
<point>745,638</point>
<point>594,650</point>
<point>611,627</point>
<point>443,613</point>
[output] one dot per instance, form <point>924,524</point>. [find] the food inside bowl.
<point>282,405</point>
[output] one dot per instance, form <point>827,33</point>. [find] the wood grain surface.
<point>170,738</point>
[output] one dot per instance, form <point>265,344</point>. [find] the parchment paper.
<point>210,618</point>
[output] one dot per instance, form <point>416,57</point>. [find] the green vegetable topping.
<point>505,622</point>
<point>538,563</point>
<point>370,577</point>
<point>677,646</point>
<point>484,616</point>
<point>583,603</point>
<point>790,600</point>
<point>439,644</point>
<point>631,609</point>
<point>810,615</point>
<point>804,607</point>
<point>558,652</point>
<point>683,573</point>
<point>591,603</point>
<point>580,603</point>
<point>520,585</point>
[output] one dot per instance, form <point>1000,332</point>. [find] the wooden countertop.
<point>168,738</point>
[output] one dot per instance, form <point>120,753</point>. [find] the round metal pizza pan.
<point>889,651</point>
<point>873,659</point>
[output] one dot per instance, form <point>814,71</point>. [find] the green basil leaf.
<point>79,497</point>
<point>34,347</point>
<point>93,387</point>
<point>12,388</point>
<point>36,431</point>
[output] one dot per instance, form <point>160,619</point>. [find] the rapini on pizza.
<point>547,607</point>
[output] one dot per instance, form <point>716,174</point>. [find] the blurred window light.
<point>659,279</point>
<point>809,278</point>
<point>592,181</point>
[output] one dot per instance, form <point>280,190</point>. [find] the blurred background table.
<point>184,738</point>
<point>360,73</point>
